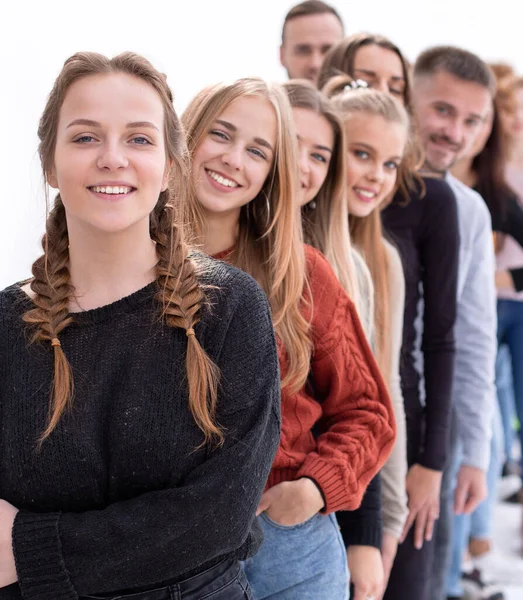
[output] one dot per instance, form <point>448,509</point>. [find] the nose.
<point>376,172</point>
<point>316,61</point>
<point>454,131</point>
<point>382,86</point>
<point>303,160</point>
<point>233,157</point>
<point>112,156</point>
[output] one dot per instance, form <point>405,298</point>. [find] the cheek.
<point>389,184</point>
<point>355,170</point>
<point>319,174</point>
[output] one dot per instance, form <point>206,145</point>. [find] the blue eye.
<point>257,153</point>
<point>391,165</point>
<point>85,139</point>
<point>141,141</point>
<point>319,158</point>
<point>361,154</point>
<point>219,134</point>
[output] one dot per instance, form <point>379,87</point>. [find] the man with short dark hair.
<point>310,29</point>
<point>453,92</point>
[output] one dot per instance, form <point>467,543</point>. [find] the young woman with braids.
<point>422,222</point>
<point>337,419</point>
<point>143,477</point>
<point>323,165</point>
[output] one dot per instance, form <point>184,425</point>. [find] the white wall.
<point>195,43</point>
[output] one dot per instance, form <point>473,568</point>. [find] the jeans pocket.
<point>237,589</point>
<point>277,525</point>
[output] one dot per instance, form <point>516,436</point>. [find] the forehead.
<point>464,96</point>
<point>112,97</point>
<point>313,126</point>
<point>385,137</point>
<point>252,115</point>
<point>313,29</point>
<point>378,59</point>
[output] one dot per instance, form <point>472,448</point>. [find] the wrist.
<point>313,491</point>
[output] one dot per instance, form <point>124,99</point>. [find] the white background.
<point>195,43</point>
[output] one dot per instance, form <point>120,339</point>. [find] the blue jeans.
<point>479,523</point>
<point>510,332</point>
<point>505,389</point>
<point>301,562</point>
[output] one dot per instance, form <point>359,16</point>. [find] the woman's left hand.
<point>291,502</point>
<point>366,571</point>
<point>7,560</point>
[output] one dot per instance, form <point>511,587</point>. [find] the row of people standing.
<point>104,506</point>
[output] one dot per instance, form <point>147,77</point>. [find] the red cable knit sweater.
<point>351,407</point>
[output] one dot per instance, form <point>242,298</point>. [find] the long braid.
<point>52,288</point>
<point>182,298</point>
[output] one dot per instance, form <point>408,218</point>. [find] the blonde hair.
<point>269,244</point>
<point>179,292</point>
<point>367,233</point>
<point>325,224</point>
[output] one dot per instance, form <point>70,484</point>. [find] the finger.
<point>460,498</point>
<point>419,529</point>
<point>429,528</point>
<point>472,502</point>
<point>359,592</point>
<point>410,520</point>
<point>264,504</point>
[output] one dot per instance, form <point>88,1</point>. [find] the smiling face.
<point>381,68</point>
<point>450,112</point>
<point>232,162</point>
<point>375,149</point>
<point>110,160</point>
<point>316,145</point>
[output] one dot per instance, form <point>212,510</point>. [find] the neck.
<point>515,154</point>
<point>427,169</point>
<point>107,267</point>
<point>221,231</point>
<point>462,170</point>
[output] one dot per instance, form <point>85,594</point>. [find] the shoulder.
<point>318,270</point>
<point>228,291</point>
<point>469,202</point>
<point>14,301</point>
<point>439,195</point>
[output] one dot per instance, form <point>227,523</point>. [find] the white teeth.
<point>222,180</point>
<point>366,193</point>
<point>108,189</point>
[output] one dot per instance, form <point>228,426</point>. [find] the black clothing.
<point>122,496</point>
<point>425,231</point>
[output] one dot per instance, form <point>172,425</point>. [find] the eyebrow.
<point>233,129</point>
<point>133,125</point>
<point>319,146</point>
<point>373,74</point>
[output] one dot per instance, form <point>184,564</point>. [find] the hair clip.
<point>356,84</point>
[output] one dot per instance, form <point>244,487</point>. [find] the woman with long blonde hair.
<point>377,131</point>
<point>337,420</point>
<point>142,475</point>
<point>422,222</point>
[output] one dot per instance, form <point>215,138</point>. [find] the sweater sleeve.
<point>394,472</point>
<point>163,534</point>
<point>363,526</point>
<point>512,224</point>
<point>439,250</point>
<point>357,424</point>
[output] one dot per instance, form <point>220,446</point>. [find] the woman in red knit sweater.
<point>337,419</point>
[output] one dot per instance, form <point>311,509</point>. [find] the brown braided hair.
<point>180,293</point>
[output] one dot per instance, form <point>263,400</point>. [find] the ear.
<point>51,179</point>
<point>166,175</point>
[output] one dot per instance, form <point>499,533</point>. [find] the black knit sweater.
<point>119,497</point>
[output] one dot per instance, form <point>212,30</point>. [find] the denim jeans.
<point>509,368</point>
<point>301,562</point>
<point>225,581</point>
<point>479,523</point>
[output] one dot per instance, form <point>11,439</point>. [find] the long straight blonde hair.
<point>367,232</point>
<point>270,243</point>
<point>325,221</point>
